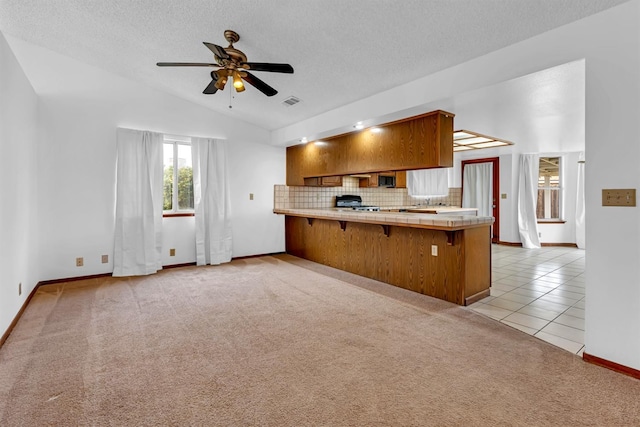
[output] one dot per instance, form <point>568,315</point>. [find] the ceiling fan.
<point>232,63</point>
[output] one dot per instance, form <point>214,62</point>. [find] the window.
<point>549,205</point>
<point>178,175</point>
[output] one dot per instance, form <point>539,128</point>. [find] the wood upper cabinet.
<point>369,181</point>
<point>372,179</point>
<point>420,142</point>
<point>323,181</point>
<point>401,179</point>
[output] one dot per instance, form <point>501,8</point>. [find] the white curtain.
<point>428,182</point>
<point>580,206</point>
<point>138,232</point>
<point>211,201</point>
<point>477,187</point>
<point>527,200</point>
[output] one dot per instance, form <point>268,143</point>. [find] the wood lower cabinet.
<point>400,256</point>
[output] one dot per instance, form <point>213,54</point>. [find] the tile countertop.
<point>442,210</point>
<point>402,219</point>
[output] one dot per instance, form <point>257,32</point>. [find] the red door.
<point>495,238</point>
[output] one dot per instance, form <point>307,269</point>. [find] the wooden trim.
<point>518,244</point>
<point>635,373</point>
<point>177,214</point>
<point>185,264</point>
<point>258,255</point>
<point>477,297</point>
<point>73,279</point>
<point>14,322</point>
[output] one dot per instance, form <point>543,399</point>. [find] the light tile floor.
<point>540,292</point>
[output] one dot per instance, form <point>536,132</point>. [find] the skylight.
<point>464,140</point>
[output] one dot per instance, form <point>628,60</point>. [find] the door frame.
<point>495,238</point>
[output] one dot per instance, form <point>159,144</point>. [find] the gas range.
<point>367,208</point>
<point>354,202</point>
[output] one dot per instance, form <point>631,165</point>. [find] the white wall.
<point>81,106</point>
<point>610,44</point>
<point>18,202</point>
<point>542,112</point>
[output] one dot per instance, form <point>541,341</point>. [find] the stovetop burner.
<point>367,208</point>
<point>354,202</point>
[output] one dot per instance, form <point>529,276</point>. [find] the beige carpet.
<point>279,341</point>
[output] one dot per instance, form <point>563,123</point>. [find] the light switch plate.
<point>619,197</point>
<point>434,250</point>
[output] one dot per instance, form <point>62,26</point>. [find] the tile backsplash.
<point>325,197</point>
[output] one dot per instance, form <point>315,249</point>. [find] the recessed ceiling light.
<point>304,140</point>
<point>359,126</point>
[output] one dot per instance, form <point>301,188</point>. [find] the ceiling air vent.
<point>292,100</point>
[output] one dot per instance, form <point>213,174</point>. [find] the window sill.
<point>177,214</point>
<point>554,221</point>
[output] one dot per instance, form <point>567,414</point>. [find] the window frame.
<point>560,189</point>
<point>175,142</point>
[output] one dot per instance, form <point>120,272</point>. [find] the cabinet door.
<point>401,179</point>
<point>331,181</point>
<point>312,182</point>
<point>371,181</point>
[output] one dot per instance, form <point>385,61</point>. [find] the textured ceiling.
<point>341,50</point>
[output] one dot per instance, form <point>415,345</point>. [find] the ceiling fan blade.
<point>211,89</point>
<point>265,66</point>
<point>258,84</point>
<point>186,64</point>
<point>217,50</point>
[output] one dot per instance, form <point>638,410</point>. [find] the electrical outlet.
<point>79,262</point>
<point>105,259</point>
<point>434,250</point>
<point>19,288</point>
<point>250,196</point>
<point>172,252</point>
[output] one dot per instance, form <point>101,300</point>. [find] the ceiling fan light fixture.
<point>237,82</point>
<point>221,83</point>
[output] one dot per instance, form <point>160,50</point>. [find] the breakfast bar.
<point>443,256</point>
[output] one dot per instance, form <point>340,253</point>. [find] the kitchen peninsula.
<point>443,256</point>
<point>434,252</point>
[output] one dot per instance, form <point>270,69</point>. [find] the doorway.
<point>489,187</point>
